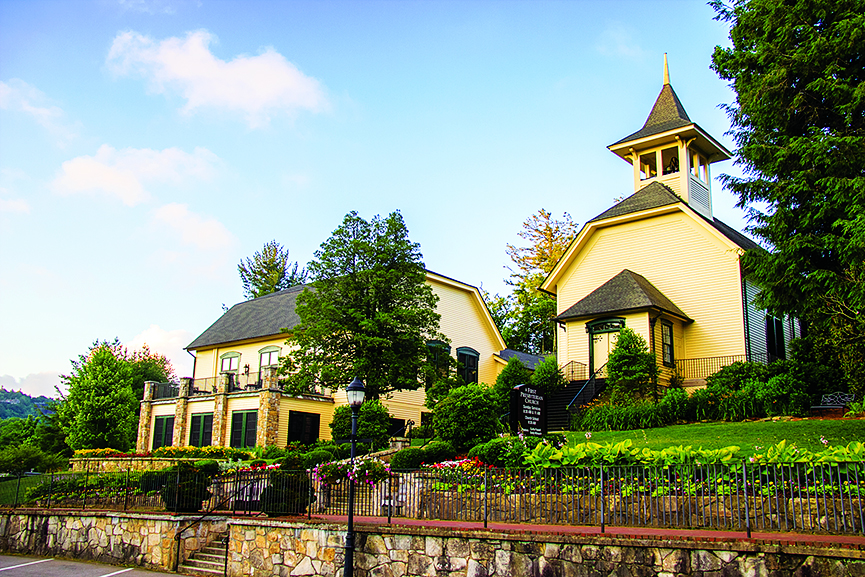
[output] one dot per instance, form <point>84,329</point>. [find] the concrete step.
<point>199,571</point>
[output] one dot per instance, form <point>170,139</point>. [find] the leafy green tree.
<point>22,458</point>
<point>798,71</point>
<point>467,416</point>
<point>373,422</point>
<point>632,370</point>
<point>100,409</point>
<point>515,373</point>
<point>15,431</point>
<point>548,377</point>
<point>370,313</point>
<point>269,271</point>
<point>525,317</point>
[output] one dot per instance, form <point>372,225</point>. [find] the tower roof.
<point>667,114</point>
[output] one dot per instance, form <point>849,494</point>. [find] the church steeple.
<point>673,150</point>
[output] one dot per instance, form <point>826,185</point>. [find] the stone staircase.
<point>210,560</point>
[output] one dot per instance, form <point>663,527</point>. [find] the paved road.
<point>14,566</point>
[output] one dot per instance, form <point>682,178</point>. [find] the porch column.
<point>267,433</point>
<point>144,418</point>
<point>180,413</point>
<point>220,412</point>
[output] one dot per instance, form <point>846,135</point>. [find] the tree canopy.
<point>269,271</point>
<point>370,312</point>
<point>100,409</point>
<point>524,317</point>
<point>798,71</point>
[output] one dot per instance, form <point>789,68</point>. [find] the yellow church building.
<point>661,264</point>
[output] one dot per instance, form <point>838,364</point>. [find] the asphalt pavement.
<point>15,566</point>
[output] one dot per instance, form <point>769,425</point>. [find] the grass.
<point>804,433</point>
<point>8,486</point>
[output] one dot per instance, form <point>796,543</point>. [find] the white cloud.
<point>18,96</point>
<point>168,343</point>
<point>203,232</point>
<point>34,384</point>
<point>123,173</point>
<point>256,86</point>
<point>12,204</point>
<point>618,40</point>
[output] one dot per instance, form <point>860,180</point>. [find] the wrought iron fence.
<point>206,386</point>
<point>815,497</point>
<point>703,367</point>
<point>575,371</point>
<point>166,390</point>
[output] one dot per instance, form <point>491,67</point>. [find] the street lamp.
<point>355,394</point>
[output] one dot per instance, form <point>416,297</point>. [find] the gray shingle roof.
<point>667,114</point>
<point>530,361</point>
<point>656,195</point>
<point>261,317</point>
<point>626,291</point>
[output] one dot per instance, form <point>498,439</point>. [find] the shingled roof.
<point>530,361</point>
<point>627,291</point>
<point>656,195</point>
<point>667,114</point>
<point>256,318</point>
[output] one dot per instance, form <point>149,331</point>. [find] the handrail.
<point>177,536</point>
<point>586,384</point>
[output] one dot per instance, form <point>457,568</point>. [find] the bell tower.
<point>673,150</point>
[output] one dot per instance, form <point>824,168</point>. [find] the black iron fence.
<point>809,497</point>
<point>703,367</point>
<point>166,390</point>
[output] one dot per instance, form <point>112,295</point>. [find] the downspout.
<point>194,361</point>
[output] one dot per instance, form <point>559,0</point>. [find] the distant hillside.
<point>18,404</point>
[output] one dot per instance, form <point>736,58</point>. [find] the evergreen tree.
<point>632,371</point>
<point>371,313</point>
<point>515,373</point>
<point>269,271</point>
<point>100,409</point>
<point>798,71</point>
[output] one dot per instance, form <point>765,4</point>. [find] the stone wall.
<point>145,540</point>
<point>266,547</point>
<point>123,464</point>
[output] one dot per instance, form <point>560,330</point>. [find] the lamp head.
<point>355,392</point>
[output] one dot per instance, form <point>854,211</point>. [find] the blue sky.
<point>146,147</point>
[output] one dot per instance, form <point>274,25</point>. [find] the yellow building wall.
<point>693,266</point>
<point>324,408</point>
<point>578,338</point>
<point>207,360</point>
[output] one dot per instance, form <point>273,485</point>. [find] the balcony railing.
<point>703,367</point>
<point>166,391</point>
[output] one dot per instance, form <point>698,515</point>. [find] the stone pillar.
<point>143,442</point>
<point>220,412</point>
<point>179,438</point>
<point>269,398</point>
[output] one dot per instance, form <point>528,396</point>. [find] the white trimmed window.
<point>229,363</point>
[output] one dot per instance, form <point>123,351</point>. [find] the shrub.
<point>184,488</point>
<point>408,458</point>
<point>783,395</point>
<point>675,406</point>
<point>422,432</point>
<point>548,376</point>
<point>209,452</point>
<point>273,452</point>
<point>315,457</point>
<point>17,460</point>
<point>287,493</point>
<point>373,423</point>
<point>466,416</point>
<point>438,451</point>
<point>515,373</point>
<point>734,376</point>
<point>503,451</point>
<point>632,370</point>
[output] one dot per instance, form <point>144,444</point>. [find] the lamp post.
<point>355,394</point>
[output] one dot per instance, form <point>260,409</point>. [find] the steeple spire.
<point>666,71</point>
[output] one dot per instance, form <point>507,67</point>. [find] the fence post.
<point>17,487</point>
<point>50,490</point>
<point>236,488</point>
<point>486,495</point>
<point>177,491</point>
<point>603,500</point>
<point>126,488</point>
<point>389,497</point>
<point>86,480</point>
<point>309,507</point>
<point>745,489</point>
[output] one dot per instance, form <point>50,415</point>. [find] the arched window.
<point>468,359</point>
<point>229,362</point>
<point>268,357</point>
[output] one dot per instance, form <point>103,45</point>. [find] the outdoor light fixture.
<point>354,393</point>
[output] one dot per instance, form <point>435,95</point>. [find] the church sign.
<point>528,411</point>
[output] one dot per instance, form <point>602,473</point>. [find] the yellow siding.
<point>242,403</point>
<point>323,408</point>
<point>200,406</point>
<point>578,338</point>
<point>163,409</point>
<point>207,361</point>
<point>686,261</point>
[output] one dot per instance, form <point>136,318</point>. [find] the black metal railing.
<point>575,371</point>
<point>803,497</point>
<point>700,368</point>
<point>206,386</point>
<point>591,389</point>
<point>244,382</point>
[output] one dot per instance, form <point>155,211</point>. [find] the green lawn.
<point>805,434</point>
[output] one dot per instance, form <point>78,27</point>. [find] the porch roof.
<point>627,291</point>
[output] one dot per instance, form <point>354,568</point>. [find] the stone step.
<point>211,550</point>
<point>212,557</point>
<point>194,562</point>
<point>199,571</point>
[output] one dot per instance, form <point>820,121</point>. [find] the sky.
<point>147,146</point>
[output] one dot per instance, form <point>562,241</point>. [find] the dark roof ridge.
<point>667,113</point>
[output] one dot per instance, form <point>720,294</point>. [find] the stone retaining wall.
<point>123,464</point>
<point>267,547</point>
<point>145,540</point>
